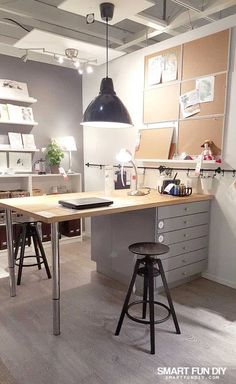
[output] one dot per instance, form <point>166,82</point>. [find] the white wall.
<point>101,145</point>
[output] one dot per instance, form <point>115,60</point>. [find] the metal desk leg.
<point>56,278</point>
<point>11,261</point>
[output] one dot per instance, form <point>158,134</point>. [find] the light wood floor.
<point>87,350</point>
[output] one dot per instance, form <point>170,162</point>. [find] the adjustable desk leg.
<point>55,278</point>
<point>11,260</point>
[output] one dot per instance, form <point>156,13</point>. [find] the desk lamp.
<point>67,143</point>
<point>125,156</point>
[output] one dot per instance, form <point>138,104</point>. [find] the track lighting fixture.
<point>59,59</point>
<point>89,68</point>
<point>76,63</point>
<point>25,57</point>
<point>71,55</point>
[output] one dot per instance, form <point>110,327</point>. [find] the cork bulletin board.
<point>207,56</point>
<point>193,133</point>
<point>156,111</point>
<point>154,143</point>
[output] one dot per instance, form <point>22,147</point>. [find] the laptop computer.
<point>85,203</point>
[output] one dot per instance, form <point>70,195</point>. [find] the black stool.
<point>148,267</point>
<point>29,230</point>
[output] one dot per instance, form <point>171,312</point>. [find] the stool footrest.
<point>142,321</point>
<point>29,265</point>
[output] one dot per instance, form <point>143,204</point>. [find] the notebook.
<point>85,203</point>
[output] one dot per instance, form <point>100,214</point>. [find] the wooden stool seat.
<point>148,249</point>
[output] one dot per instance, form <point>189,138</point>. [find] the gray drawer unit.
<point>182,234</point>
<point>184,228</point>
<point>186,247</point>
<point>174,223</point>
<point>184,272</point>
<point>183,209</point>
<point>185,259</point>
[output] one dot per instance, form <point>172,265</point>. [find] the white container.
<point>192,181</point>
<point>206,183</point>
<point>109,179</point>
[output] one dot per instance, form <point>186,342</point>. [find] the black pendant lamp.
<point>107,110</point>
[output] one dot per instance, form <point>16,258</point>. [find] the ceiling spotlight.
<point>89,69</point>
<point>59,59</point>
<point>90,18</point>
<point>80,71</point>
<point>25,57</point>
<point>71,53</point>
<point>76,63</point>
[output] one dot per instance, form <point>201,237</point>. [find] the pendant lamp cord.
<point>107,47</point>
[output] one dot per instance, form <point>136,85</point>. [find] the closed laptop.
<point>85,203</point>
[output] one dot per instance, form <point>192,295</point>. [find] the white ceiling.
<point>123,8</point>
<point>56,44</point>
<point>136,24</point>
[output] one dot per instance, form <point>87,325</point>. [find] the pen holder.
<point>177,191</point>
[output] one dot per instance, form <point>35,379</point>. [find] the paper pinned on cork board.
<point>155,68</point>
<point>206,86</point>
<point>170,67</point>
<point>189,103</point>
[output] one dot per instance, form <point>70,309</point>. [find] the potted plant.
<point>54,155</point>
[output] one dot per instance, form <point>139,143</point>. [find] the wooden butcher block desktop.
<point>180,222</point>
<point>47,209</point>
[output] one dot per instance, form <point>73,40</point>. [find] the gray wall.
<point>59,107</point>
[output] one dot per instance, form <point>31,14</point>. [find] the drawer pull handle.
<point>185,221</point>
<point>185,235</point>
<point>161,239</point>
<point>161,224</point>
<point>185,208</point>
<point>183,248</point>
<point>183,261</point>
<point>184,273</point>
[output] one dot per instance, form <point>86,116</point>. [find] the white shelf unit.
<point>30,123</point>
<point>28,181</point>
<point>46,182</point>
<point>175,161</point>
<point>25,100</point>
<point>16,100</point>
<point>18,150</point>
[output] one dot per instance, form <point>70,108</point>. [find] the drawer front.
<point>183,209</point>
<point>186,247</point>
<point>182,234</point>
<point>172,224</point>
<point>182,273</point>
<point>185,259</point>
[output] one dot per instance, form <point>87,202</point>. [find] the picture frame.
<point>13,89</point>
<point>28,141</point>
<point>20,161</point>
<point>20,114</point>
<point>26,114</point>
<point>15,140</point>
<point>4,116</point>
<point>3,161</point>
